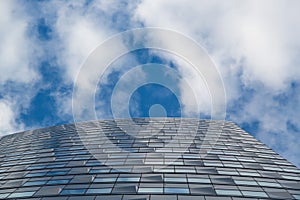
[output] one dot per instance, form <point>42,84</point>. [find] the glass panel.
<point>75,191</point>
<point>249,173</point>
<point>103,180</point>
<point>268,184</point>
<point>31,183</point>
<point>228,172</point>
<point>60,181</point>
<point>99,191</point>
<point>54,173</point>
<point>241,182</point>
<point>229,192</point>
<point>21,194</point>
<point>36,174</point>
<point>150,190</point>
<point>175,179</point>
<point>176,190</point>
<point>254,194</point>
<point>129,179</point>
<point>4,195</point>
<point>296,196</point>
<point>92,171</point>
<point>199,180</point>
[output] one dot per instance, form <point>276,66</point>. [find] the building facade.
<point>171,158</point>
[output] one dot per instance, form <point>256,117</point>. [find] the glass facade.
<point>59,163</point>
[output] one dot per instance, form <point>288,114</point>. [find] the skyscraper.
<point>168,158</point>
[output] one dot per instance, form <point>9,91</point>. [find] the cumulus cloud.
<point>191,84</point>
<point>80,27</point>
<point>8,117</point>
<point>17,67</point>
<point>16,49</point>
<point>79,33</point>
<point>255,46</point>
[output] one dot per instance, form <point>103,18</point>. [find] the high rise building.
<point>153,159</point>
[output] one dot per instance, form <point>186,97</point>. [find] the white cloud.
<point>8,117</point>
<point>18,71</point>
<point>16,48</point>
<point>80,33</point>
<point>274,117</point>
<point>81,28</point>
<point>255,45</point>
<point>191,85</point>
<point>259,33</point>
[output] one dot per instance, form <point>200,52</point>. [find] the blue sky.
<point>255,46</point>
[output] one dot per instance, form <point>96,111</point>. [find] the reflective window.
<point>54,173</point>
<point>175,179</point>
<point>170,190</point>
<point>99,191</point>
<point>296,196</point>
<point>4,195</point>
<point>59,181</point>
<point>36,174</point>
<point>128,179</point>
<point>248,182</point>
<point>198,180</point>
<point>21,194</point>
<point>72,191</point>
<point>100,171</point>
<point>254,194</point>
<point>102,180</point>
<point>268,184</point>
<point>249,173</point>
<point>150,190</point>
<point>31,183</point>
<point>228,172</point>
<point>229,192</point>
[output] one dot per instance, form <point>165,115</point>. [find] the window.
<point>164,170</point>
<point>150,190</point>
<point>125,189</point>
<point>54,173</point>
<point>198,180</point>
<point>100,171</point>
<point>128,179</point>
<point>227,172</point>
<point>59,181</point>
<point>36,167</point>
<point>72,191</point>
<point>296,196</point>
<point>35,174</point>
<point>31,183</point>
<point>55,165</point>
<point>99,191</point>
<point>291,177</point>
<point>106,179</point>
<point>21,194</point>
<point>185,170</point>
<point>249,173</point>
<point>175,179</point>
<point>254,194</point>
<point>244,182</point>
<point>4,195</point>
<point>229,192</point>
<point>268,184</point>
<point>170,190</point>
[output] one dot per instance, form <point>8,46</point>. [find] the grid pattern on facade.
<point>53,162</point>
